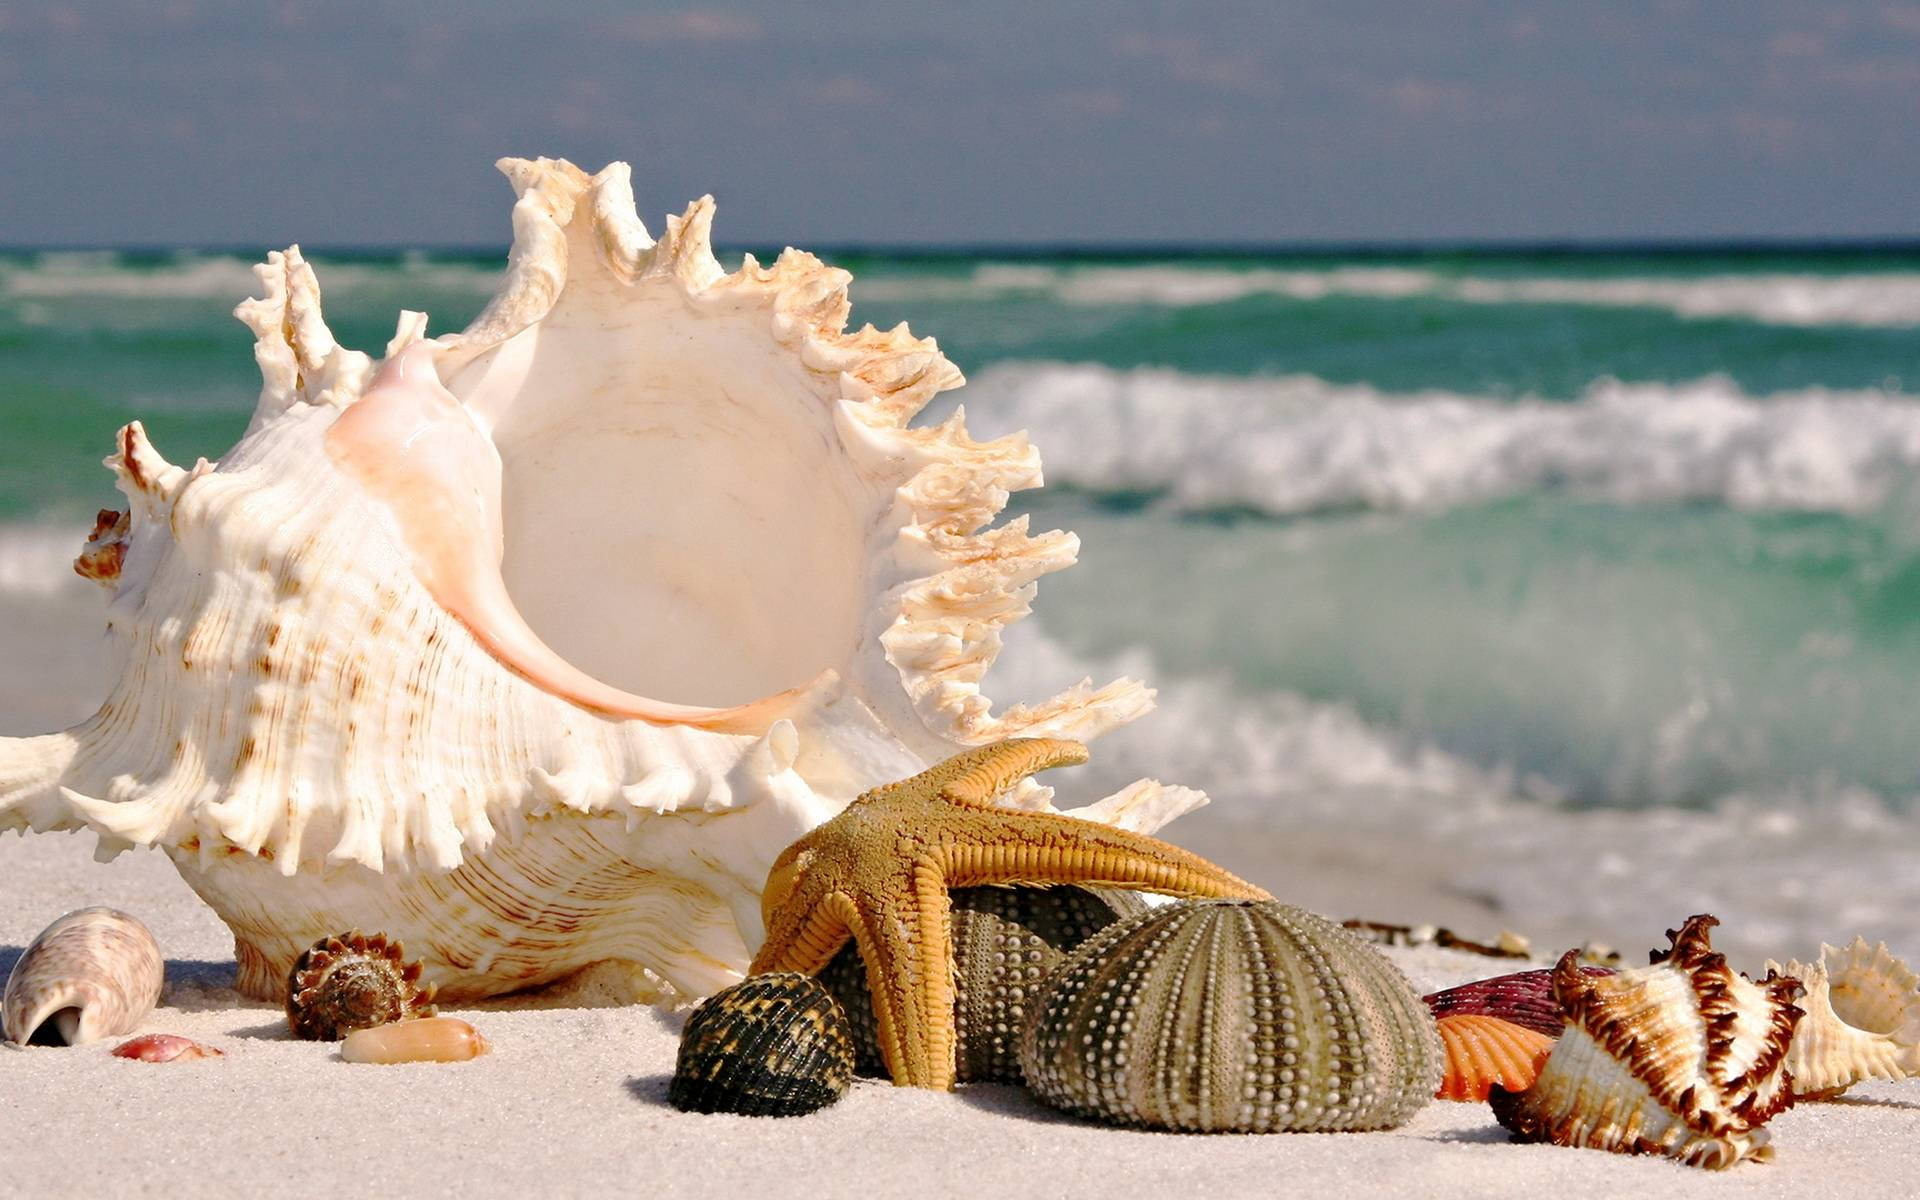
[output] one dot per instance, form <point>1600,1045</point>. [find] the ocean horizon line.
<point>1432,249</point>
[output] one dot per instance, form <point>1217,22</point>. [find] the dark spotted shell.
<point>351,981</point>
<point>1232,1016</point>
<point>770,1046</point>
<point>1524,998</point>
<point>1006,940</point>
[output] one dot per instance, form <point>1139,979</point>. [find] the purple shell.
<point>1525,998</point>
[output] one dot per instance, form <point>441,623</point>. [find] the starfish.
<point>880,871</point>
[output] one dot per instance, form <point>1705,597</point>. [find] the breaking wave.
<point>1292,445</point>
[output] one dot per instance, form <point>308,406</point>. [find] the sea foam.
<point>1288,445</point>
<point>1873,299</point>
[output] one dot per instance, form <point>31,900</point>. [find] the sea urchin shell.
<point>1232,1016</point>
<point>352,981</point>
<point>94,973</point>
<point>1006,940</point>
<point>1483,1051</point>
<point>1685,1058</point>
<point>773,1045</point>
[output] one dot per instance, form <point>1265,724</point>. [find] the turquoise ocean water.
<point>1400,536</point>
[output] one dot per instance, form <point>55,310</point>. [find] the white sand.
<point>572,1102</point>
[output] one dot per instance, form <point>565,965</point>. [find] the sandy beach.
<point>572,1102</point>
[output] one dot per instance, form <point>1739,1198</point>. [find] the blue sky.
<point>258,122</point>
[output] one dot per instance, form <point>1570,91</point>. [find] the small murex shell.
<point>1006,941</point>
<point>94,973</point>
<point>1232,1016</point>
<point>1862,1022</point>
<point>774,1045</point>
<point>165,1048</point>
<point>1483,1051</point>
<point>428,1039</point>
<point>352,981</point>
<point>1685,1058</point>
<point>1525,998</point>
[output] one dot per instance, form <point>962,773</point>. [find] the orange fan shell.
<point>1482,1051</point>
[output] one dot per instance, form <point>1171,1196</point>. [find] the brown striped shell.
<point>1483,1051</point>
<point>94,973</point>
<point>352,981</point>
<point>1685,1058</point>
<point>1525,998</point>
<point>1006,940</point>
<point>1232,1016</point>
<point>773,1045</point>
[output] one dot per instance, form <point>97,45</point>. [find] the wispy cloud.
<point>689,25</point>
<point>1191,60</point>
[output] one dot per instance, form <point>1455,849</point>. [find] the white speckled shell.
<point>1685,1058</point>
<point>1862,1022</point>
<point>706,492</point>
<point>94,973</point>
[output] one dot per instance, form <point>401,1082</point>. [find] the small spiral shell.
<point>352,981</point>
<point>1483,1051</point>
<point>770,1046</point>
<point>1232,1016</point>
<point>92,974</point>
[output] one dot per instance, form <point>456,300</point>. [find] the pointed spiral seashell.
<point>94,973</point>
<point>1232,1016</point>
<point>429,1039</point>
<point>1482,1051</point>
<point>1684,1057</point>
<point>533,644</point>
<point>1006,941</point>
<point>1862,1022</point>
<point>774,1045</point>
<point>351,981</point>
<point>1525,998</point>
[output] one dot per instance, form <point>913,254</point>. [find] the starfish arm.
<point>809,944</point>
<point>981,776</point>
<point>1047,848</point>
<point>909,955</point>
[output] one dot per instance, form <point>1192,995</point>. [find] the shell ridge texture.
<point>534,644</point>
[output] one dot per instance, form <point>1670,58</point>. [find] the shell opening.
<point>679,522</point>
<point>59,1028</point>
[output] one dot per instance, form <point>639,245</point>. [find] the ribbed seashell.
<point>165,1048</point>
<point>773,1045</point>
<point>1685,1058</point>
<point>1862,1022</point>
<point>1232,1016</point>
<point>1525,998</point>
<point>351,981</point>
<point>534,644</point>
<point>1482,1051</point>
<point>428,1039</point>
<point>1006,941</point>
<point>94,973</point>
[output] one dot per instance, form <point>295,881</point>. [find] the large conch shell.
<point>1862,1022</point>
<point>1685,1057</point>
<point>387,665</point>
